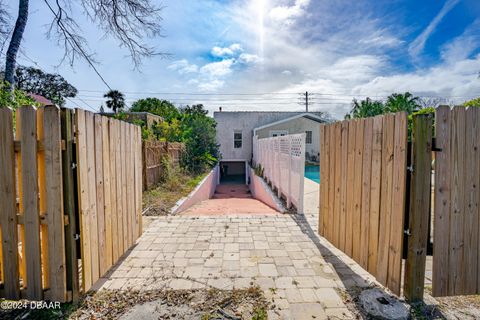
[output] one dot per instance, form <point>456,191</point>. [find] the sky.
<point>262,54</point>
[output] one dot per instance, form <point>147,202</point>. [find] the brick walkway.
<point>301,272</point>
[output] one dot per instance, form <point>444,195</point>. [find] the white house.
<point>236,129</point>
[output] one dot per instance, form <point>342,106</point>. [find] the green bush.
<point>14,100</point>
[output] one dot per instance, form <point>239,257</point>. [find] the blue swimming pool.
<point>313,173</point>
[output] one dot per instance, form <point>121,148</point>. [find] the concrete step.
<point>232,189</point>
<point>229,196</point>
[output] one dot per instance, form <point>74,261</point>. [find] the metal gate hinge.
<point>410,168</point>
<point>407,232</point>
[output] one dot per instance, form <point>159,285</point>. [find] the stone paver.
<point>299,272</point>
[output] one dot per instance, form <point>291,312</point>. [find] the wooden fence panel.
<point>456,218</point>
<point>38,258</point>
<point>111,208</point>
<point>153,153</point>
<point>370,156</point>
<point>33,243</point>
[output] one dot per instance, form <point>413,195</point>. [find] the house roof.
<point>306,115</point>
<point>40,99</point>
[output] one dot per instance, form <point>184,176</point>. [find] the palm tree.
<point>402,102</point>
<point>366,108</point>
<point>116,100</point>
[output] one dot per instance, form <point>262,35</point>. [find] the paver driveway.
<point>302,273</point>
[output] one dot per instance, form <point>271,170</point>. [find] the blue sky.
<point>335,49</point>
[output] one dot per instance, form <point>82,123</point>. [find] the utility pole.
<point>304,100</point>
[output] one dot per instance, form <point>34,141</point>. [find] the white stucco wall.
<point>246,121</point>
<point>299,125</point>
<point>203,191</point>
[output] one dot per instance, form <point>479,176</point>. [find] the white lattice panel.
<point>283,161</point>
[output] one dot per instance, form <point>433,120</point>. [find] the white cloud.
<point>288,14</point>
<point>230,51</point>
<point>417,45</point>
<point>336,57</point>
<point>217,69</point>
<point>183,67</point>
<point>211,85</point>
<point>379,40</point>
<point>248,58</point>
<point>464,45</point>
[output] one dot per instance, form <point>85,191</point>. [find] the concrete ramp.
<point>230,200</point>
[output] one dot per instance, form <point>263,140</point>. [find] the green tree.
<point>116,100</point>
<point>472,103</point>
<point>52,86</point>
<point>199,136</point>
<point>170,131</point>
<point>162,108</point>
<point>366,108</point>
<point>397,102</point>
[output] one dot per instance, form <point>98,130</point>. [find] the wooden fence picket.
<point>54,203</point>
<point>28,191</point>
<point>8,215</point>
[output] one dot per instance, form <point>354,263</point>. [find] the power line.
<point>198,93</point>
<point>74,43</point>
<point>86,104</point>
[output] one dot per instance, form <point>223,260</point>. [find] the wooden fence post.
<point>69,194</point>
<point>420,192</point>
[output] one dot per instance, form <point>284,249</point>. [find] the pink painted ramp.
<point>230,200</point>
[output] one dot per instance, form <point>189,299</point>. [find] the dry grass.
<point>177,304</point>
<point>161,199</point>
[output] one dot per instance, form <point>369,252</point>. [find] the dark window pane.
<point>308,138</point>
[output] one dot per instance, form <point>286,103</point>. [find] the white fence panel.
<point>283,162</point>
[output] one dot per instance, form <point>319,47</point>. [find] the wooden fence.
<point>363,191</point>
<point>33,255</point>
<point>39,216</point>
<point>154,153</point>
<point>456,260</point>
<point>109,173</point>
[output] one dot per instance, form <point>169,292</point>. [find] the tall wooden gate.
<point>456,260</point>
<point>109,175</point>
<point>40,206</point>
<point>363,191</point>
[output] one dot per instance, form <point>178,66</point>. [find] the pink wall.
<point>261,191</point>
<point>203,191</point>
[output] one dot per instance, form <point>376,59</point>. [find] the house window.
<point>278,133</point>
<point>237,139</point>
<point>308,138</point>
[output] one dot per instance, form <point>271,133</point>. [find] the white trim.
<point>288,119</point>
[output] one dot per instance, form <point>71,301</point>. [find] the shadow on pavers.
<point>354,283</point>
